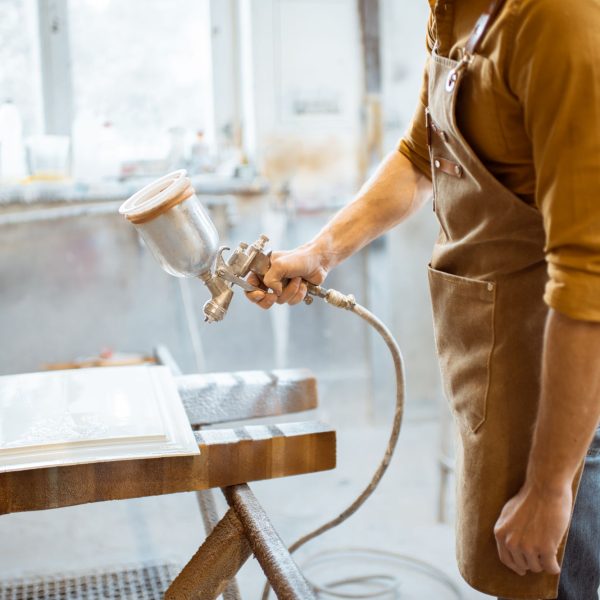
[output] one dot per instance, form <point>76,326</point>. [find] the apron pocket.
<point>463,315</point>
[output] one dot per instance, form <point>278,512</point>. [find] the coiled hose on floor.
<point>348,302</point>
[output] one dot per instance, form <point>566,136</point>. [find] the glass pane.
<point>19,71</point>
<point>141,66</point>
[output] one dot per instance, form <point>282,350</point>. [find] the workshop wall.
<point>71,287</point>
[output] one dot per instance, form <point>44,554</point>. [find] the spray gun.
<point>179,233</point>
<point>233,271</point>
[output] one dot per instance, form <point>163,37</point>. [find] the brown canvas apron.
<point>487,278</point>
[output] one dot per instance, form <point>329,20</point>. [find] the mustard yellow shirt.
<point>534,120</point>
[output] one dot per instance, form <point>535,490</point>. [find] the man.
<point>507,137</point>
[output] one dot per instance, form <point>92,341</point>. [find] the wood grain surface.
<point>227,457</point>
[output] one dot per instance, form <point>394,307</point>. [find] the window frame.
<point>55,66</point>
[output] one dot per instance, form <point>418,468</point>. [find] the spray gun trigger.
<point>231,278</point>
<point>224,272</point>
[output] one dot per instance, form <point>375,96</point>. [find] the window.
<point>19,71</point>
<point>130,81</point>
<point>142,66</point>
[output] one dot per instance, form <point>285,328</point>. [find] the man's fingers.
<point>274,276</point>
<point>532,558</point>
<point>284,265</point>
<point>300,295</point>
<point>255,297</point>
<point>290,290</point>
<point>504,555</point>
<point>511,559</point>
<point>508,553</point>
<point>521,557</point>
<point>254,279</point>
<point>268,300</point>
<point>549,563</point>
<point>294,293</point>
<point>262,299</point>
<point>519,562</point>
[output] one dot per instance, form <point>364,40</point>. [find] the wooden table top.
<point>227,456</point>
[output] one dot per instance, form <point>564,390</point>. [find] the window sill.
<point>16,196</point>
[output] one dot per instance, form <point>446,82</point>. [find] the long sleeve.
<point>555,73</point>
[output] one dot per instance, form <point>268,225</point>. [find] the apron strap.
<point>482,26</point>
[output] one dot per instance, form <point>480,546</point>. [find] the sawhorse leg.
<point>244,529</point>
<point>206,499</point>
<point>210,517</point>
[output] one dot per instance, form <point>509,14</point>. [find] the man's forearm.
<point>569,408</point>
<point>395,191</point>
<point>533,523</point>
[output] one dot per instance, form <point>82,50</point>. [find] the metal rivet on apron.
<point>437,164</point>
<point>458,170</point>
<point>439,131</point>
<point>490,287</point>
<point>451,81</point>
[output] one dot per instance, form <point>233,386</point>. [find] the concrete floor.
<point>400,517</point>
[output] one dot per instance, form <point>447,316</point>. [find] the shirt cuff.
<point>420,162</point>
<point>574,293</point>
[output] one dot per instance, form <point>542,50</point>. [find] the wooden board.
<point>227,457</point>
<point>211,398</point>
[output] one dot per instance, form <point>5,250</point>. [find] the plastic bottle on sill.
<point>176,154</point>
<point>97,150</point>
<point>200,154</point>
<point>12,151</point>
<point>85,151</point>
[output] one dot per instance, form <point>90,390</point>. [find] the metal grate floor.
<point>146,582</point>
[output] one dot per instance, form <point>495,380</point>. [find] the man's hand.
<point>394,192</point>
<point>307,262</point>
<point>531,528</point>
<point>533,523</point>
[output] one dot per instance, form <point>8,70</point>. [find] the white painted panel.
<point>91,415</point>
<point>77,407</point>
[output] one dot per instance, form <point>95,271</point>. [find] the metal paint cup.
<point>174,224</point>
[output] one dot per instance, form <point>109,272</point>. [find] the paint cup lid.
<point>157,197</point>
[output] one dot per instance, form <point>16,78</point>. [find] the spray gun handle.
<point>260,263</point>
<point>244,260</point>
<point>311,290</point>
